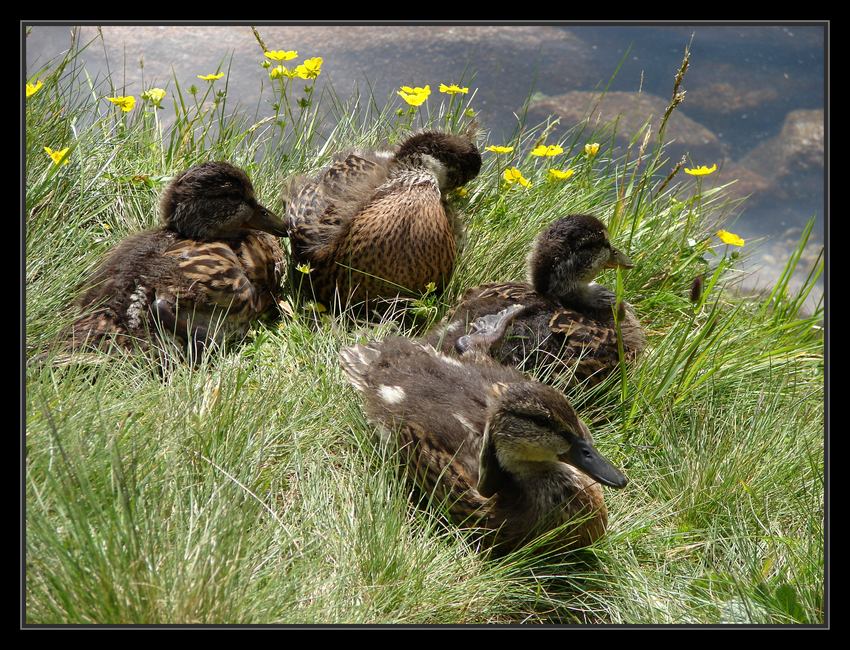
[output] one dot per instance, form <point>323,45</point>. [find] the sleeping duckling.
<point>567,326</point>
<point>376,224</point>
<point>506,455</point>
<point>207,272</point>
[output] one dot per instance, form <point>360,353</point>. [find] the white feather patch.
<point>391,394</point>
<point>466,423</point>
<point>135,310</point>
<point>437,168</point>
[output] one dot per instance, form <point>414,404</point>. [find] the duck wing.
<point>263,260</point>
<point>478,302</point>
<point>319,211</point>
<point>513,292</point>
<point>212,277</point>
<point>545,335</point>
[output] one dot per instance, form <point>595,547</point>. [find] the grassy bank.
<point>250,488</point>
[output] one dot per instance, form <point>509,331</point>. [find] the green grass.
<point>251,489</point>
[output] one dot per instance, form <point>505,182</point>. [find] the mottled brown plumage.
<point>376,224</point>
<point>566,329</point>
<point>206,273</point>
<point>504,454</point>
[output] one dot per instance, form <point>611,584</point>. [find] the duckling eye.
<point>540,419</point>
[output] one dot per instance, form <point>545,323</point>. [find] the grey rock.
<point>632,110</point>
<point>794,158</point>
<point>723,89</point>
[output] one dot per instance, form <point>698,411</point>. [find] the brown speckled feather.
<point>397,243</point>
<point>375,225</point>
<point>403,236</point>
<point>240,276</point>
<point>560,341</point>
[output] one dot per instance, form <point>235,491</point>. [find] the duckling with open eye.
<point>206,273</point>
<point>567,326</point>
<point>506,455</point>
<point>376,225</point>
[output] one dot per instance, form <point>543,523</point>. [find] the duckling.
<point>507,455</point>
<point>207,272</point>
<point>566,327</point>
<point>376,224</point>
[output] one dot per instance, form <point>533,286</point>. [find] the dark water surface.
<point>754,102</point>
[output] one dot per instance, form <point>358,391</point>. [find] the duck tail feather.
<point>356,362</point>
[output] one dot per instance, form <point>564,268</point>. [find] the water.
<point>754,102</point>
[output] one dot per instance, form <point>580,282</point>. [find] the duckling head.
<point>529,427</point>
<point>454,159</point>
<point>215,200</point>
<point>569,254</point>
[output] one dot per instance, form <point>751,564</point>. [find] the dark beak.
<point>584,456</point>
<point>618,259</point>
<point>265,219</point>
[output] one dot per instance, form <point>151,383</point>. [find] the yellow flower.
<point>704,171</point>
<point>310,69</point>
<point>729,237</point>
<point>495,148</point>
<point>591,149</point>
<point>557,174</point>
<point>155,95</point>
<point>430,287</point>
<point>210,77</point>
<point>281,71</point>
<point>513,175</point>
<point>454,89</point>
<point>414,96</point>
<point>126,104</point>
<point>461,191</point>
<point>315,307</point>
<point>281,55</point>
<point>59,157</point>
<point>304,268</point>
<point>32,89</point>
<point>548,151</point>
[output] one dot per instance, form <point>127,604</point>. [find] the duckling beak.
<point>584,456</point>
<point>618,259</point>
<point>265,219</point>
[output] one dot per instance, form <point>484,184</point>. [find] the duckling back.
<point>432,408</point>
<point>576,345</point>
<point>210,289</point>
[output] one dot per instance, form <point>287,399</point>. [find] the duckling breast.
<point>400,242</point>
<point>549,499</point>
